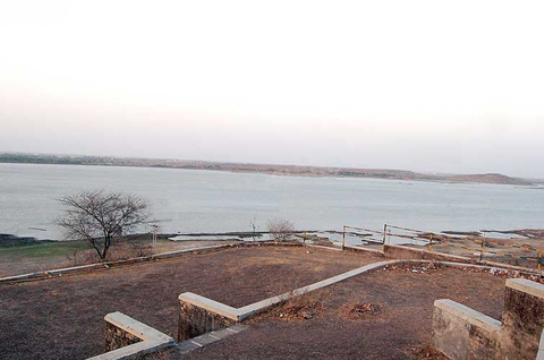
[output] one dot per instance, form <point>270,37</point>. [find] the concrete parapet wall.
<point>540,354</point>
<point>117,337</point>
<point>127,338</point>
<point>199,315</point>
<point>462,333</point>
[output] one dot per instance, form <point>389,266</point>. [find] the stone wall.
<point>195,321</point>
<point>127,338</point>
<point>462,333</point>
<point>522,319</point>
<point>199,315</point>
<point>117,338</point>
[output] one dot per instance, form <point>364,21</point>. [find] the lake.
<point>210,201</point>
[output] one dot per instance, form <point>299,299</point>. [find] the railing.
<point>526,252</point>
<point>364,234</point>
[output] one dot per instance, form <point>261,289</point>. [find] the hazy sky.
<point>445,86</point>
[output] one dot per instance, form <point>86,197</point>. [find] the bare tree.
<point>280,229</point>
<point>99,217</point>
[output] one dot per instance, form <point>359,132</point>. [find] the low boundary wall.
<point>522,319</point>
<point>199,314</point>
<point>111,264</point>
<point>404,252</point>
<point>127,338</point>
<point>462,333</point>
<point>389,251</point>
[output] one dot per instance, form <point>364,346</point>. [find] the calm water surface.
<point>209,201</point>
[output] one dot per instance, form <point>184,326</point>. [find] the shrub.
<point>280,229</point>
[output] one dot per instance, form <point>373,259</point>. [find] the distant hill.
<point>294,170</point>
<point>488,179</point>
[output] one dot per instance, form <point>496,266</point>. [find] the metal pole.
<point>343,237</point>
<point>384,235</point>
<point>482,248</point>
<point>155,227</point>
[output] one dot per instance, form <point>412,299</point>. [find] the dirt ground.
<point>382,315</point>
<point>62,318</point>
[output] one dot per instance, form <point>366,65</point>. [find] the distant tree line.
<point>48,159</point>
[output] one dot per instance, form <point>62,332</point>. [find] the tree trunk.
<point>107,244</point>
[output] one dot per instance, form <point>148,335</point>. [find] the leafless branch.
<point>98,217</point>
<point>280,229</point>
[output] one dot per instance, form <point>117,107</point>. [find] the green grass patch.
<point>46,249</point>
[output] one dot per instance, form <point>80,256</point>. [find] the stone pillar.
<point>522,319</point>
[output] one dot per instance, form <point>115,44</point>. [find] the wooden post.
<point>539,260</point>
<point>431,242</point>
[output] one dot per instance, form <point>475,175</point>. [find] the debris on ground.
<point>426,352</point>
<point>427,268</point>
<point>415,268</point>
<point>356,311</point>
<point>299,308</point>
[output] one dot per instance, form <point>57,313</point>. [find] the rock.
<point>308,315</point>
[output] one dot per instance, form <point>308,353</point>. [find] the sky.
<point>431,86</point>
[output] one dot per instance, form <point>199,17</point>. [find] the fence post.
<point>431,243</point>
<point>539,260</point>
<point>384,235</point>
<point>482,248</point>
<point>343,236</point>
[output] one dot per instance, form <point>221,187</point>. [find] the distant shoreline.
<point>285,170</point>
